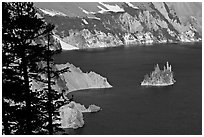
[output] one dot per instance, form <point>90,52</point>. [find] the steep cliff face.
<point>75,79</point>
<point>114,24</point>
<point>71,79</point>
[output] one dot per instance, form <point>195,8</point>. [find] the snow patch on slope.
<point>114,8</point>
<point>64,45</point>
<point>94,18</point>
<point>131,5</point>
<point>102,10</point>
<point>85,21</point>
<point>52,12</point>
<point>86,12</point>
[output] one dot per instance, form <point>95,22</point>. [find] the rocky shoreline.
<point>156,85</point>
<point>128,43</point>
<point>70,79</point>
<point>149,23</point>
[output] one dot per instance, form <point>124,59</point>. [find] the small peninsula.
<point>71,79</point>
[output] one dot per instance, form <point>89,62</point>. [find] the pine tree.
<point>26,111</point>
<point>20,28</point>
<point>49,84</point>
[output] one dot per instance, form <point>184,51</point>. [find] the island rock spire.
<point>159,77</point>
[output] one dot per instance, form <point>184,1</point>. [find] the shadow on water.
<point>157,90</point>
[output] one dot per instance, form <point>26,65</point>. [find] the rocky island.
<point>159,77</point>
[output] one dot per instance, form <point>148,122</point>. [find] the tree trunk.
<point>49,89</point>
<point>27,93</point>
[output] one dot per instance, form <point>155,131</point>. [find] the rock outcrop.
<point>128,23</point>
<point>71,79</point>
<point>75,79</point>
<point>71,115</point>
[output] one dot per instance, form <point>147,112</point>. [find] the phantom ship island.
<point>159,77</point>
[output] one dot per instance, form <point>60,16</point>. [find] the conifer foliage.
<point>25,111</point>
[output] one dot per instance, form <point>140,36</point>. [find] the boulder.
<point>71,114</point>
<point>71,117</point>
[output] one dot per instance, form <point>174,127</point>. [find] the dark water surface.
<point>128,108</point>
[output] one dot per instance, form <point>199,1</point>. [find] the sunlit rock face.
<point>85,39</point>
<point>75,79</point>
<point>71,115</point>
<point>71,79</point>
<point>96,25</point>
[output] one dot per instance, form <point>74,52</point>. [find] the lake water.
<point>129,108</point>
